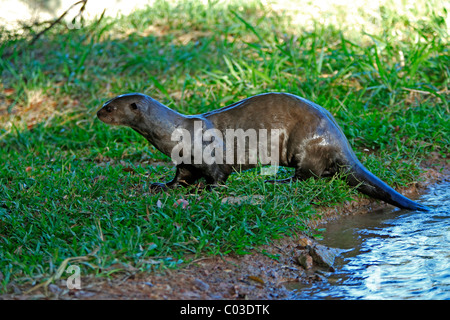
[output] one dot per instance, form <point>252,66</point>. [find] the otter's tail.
<point>367,183</point>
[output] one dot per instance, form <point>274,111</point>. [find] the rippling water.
<point>391,254</point>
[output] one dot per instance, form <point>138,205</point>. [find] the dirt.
<point>260,275</point>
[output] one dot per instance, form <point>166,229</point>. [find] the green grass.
<point>71,186</point>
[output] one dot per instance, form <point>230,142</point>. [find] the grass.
<point>71,186</point>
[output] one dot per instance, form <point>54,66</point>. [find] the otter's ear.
<point>133,106</point>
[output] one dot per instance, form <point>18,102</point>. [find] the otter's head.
<point>124,110</point>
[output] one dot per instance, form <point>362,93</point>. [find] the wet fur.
<point>311,141</point>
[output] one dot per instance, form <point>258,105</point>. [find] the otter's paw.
<point>214,186</point>
<point>158,187</point>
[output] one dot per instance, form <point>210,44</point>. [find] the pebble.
<point>201,285</point>
<point>306,261</point>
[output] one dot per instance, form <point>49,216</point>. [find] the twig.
<point>36,37</point>
<point>425,92</point>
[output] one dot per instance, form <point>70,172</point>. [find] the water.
<point>392,254</point>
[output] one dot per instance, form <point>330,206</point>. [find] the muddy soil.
<point>254,276</point>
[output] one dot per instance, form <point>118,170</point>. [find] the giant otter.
<point>309,140</point>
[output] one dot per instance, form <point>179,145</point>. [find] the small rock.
<point>215,296</point>
<point>83,294</point>
<point>201,285</point>
<point>16,289</point>
<point>304,241</point>
<point>323,255</point>
<point>191,295</point>
<point>54,289</point>
<point>306,261</point>
<point>319,277</point>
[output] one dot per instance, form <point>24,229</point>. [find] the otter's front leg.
<point>216,175</point>
<point>184,176</point>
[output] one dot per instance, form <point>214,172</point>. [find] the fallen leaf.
<point>257,279</point>
<point>9,91</point>
<point>99,178</point>
<point>184,203</point>
<point>128,169</point>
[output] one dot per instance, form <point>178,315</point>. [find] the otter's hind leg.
<point>184,176</point>
<point>297,176</point>
<point>305,172</point>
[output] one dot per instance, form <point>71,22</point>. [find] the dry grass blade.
<point>61,270</point>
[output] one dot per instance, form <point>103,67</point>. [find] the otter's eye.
<point>108,108</point>
<point>133,106</point>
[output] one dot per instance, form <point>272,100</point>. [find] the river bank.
<point>389,254</point>
<point>260,275</point>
